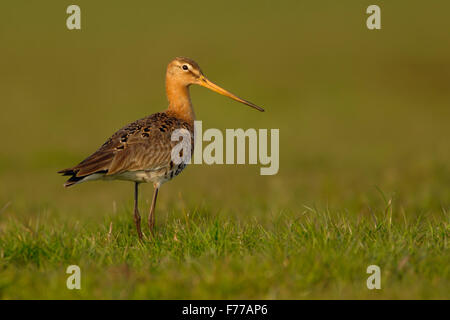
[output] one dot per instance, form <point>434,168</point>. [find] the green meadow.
<point>364,175</point>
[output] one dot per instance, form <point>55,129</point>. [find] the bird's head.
<point>185,71</point>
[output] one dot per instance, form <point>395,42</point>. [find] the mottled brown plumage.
<point>142,150</point>
<point>143,145</point>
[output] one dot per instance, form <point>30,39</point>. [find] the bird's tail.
<point>73,177</point>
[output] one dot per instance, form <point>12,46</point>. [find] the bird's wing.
<point>145,144</point>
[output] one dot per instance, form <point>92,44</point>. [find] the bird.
<point>141,152</point>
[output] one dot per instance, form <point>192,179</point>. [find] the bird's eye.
<point>185,67</point>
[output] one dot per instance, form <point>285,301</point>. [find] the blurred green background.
<point>358,110</point>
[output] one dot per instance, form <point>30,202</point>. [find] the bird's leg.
<point>137,216</point>
<point>151,217</point>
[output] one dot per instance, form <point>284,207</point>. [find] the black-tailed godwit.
<point>142,150</point>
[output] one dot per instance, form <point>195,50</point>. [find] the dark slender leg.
<point>151,217</point>
<point>137,216</point>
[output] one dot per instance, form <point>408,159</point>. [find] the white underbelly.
<point>153,176</point>
<point>156,176</point>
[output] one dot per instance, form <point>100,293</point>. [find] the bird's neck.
<point>180,105</point>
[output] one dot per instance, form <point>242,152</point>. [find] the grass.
<point>364,160</point>
<point>314,254</point>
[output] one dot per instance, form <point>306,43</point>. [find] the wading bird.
<point>142,151</point>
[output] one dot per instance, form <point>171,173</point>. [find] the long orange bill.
<point>204,82</point>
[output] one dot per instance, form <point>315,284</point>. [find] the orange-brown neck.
<point>180,105</point>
